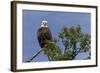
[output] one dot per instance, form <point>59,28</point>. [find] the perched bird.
<point>44,34</point>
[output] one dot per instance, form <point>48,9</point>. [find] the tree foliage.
<point>74,41</point>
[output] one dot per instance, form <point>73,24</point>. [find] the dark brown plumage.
<point>43,35</point>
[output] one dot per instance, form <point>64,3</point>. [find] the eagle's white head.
<point>44,23</point>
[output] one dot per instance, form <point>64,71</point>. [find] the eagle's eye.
<point>44,23</point>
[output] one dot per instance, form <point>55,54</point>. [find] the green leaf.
<point>66,56</point>
<point>60,35</point>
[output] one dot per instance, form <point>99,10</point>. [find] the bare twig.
<point>34,55</point>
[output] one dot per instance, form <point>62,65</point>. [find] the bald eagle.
<point>44,34</point>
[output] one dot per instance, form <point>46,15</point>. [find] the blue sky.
<point>56,21</point>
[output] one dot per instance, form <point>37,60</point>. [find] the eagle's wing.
<point>48,34</point>
<point>43,35</point>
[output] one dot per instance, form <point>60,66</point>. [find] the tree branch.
<point>76,53</point>
<point>34,55</point>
